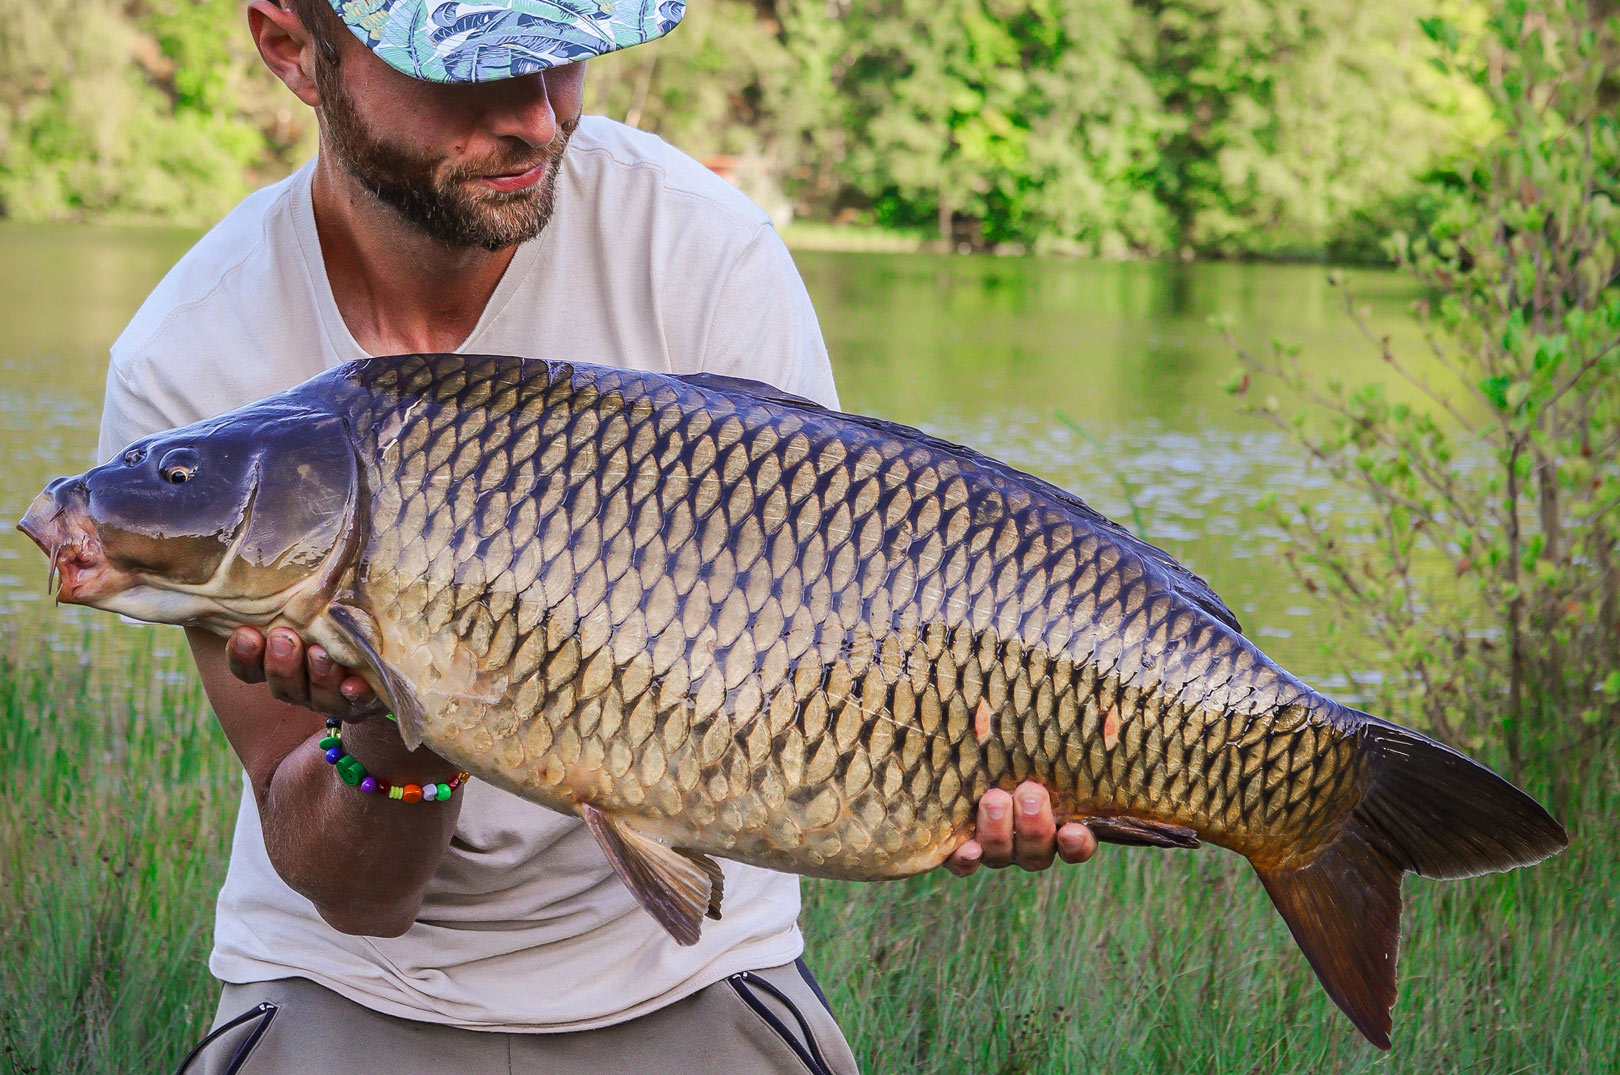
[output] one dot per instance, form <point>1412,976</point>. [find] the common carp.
<point>713,619</point>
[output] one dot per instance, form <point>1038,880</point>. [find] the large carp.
<point>710,618</point>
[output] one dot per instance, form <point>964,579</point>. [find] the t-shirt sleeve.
<point>763,326</point>
<point>127,414</point>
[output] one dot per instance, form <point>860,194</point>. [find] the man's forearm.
<point>363,860</point>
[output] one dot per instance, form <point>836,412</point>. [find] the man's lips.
<point>516,180</point>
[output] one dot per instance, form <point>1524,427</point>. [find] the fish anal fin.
<point>1140,832</point>
<point>1344,910</point>
<point>356,631</point>
<point>677,887</point>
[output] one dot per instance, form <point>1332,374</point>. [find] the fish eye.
<point>134,456</point>
<point>179,466</point>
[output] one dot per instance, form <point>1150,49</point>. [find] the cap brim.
<point>487,40</point>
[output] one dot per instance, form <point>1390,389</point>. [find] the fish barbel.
<point>713,619</point>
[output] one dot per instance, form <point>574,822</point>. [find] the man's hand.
<point>1019,828</point>
<point>307,678</point>
<point>390,852</point>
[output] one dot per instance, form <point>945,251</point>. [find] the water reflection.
<point>995,353</point>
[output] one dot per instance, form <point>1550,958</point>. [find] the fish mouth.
<point>78,571</point>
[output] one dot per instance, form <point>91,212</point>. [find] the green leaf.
<point>1495,390</point>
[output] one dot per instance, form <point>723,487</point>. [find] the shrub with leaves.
<point>1489,572</point>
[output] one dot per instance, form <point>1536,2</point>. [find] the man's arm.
<point>363,860</point>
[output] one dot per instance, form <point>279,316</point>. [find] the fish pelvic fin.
<point>677,886</point>
<point>1428,809</point>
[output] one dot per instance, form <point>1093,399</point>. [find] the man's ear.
<point>285,46</point>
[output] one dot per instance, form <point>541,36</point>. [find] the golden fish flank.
<point>710,618</point>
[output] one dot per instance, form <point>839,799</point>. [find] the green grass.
<point>119,793</point>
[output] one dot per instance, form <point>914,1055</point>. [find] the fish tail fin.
<point>1427,809</point>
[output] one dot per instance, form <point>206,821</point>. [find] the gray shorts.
<point>772,1020</point>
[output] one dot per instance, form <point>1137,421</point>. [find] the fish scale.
<point>709,618</point>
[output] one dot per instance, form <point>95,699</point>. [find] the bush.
<point>1488,574</point>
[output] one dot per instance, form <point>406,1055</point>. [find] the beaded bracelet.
<point>352,773</point>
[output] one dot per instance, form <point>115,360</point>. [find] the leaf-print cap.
<point>485,40</point>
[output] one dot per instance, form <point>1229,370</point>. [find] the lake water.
<point>1103,378</point>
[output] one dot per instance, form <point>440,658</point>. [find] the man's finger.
<point>994,831</point>
<point>363,701</point>
<point>284,667</point>
<point>244,654</point>
<point>325,680</point>
<point>965,860</point>
<point>1034,830</point>
<point>1075,842</point>
<point>324,672</point>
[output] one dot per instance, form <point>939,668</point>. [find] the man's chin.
<point>495,221</point>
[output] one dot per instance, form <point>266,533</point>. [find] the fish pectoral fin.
<point>1140,832</point>
<point>358,628</point>
<point>678,887</point>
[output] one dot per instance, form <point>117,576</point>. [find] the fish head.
<point>228,521</point>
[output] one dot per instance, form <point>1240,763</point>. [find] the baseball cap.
<point>485,40</point>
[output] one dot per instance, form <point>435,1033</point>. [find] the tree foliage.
<point>1116,127</point>
<point>1490,573</point>
<point>1235,127</point>
<point>153,111</point>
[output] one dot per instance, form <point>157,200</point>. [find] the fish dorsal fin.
<point>1185,581</point>
<point>723,382</point>
<point>677,887</point>
<point>357,630</point>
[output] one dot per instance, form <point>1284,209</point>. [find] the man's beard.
<point>441,203</point>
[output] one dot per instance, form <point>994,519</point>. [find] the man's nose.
<point>521,108</point>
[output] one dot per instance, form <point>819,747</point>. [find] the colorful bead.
<point>351,772</point>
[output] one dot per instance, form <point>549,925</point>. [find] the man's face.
<point>472,165</point>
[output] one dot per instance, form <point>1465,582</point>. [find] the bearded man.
<point>459,202</point>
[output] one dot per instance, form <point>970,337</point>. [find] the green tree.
<point>154,111</point>
<point>1287,121</point>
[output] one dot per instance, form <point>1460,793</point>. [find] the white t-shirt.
<point>650,261</point>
